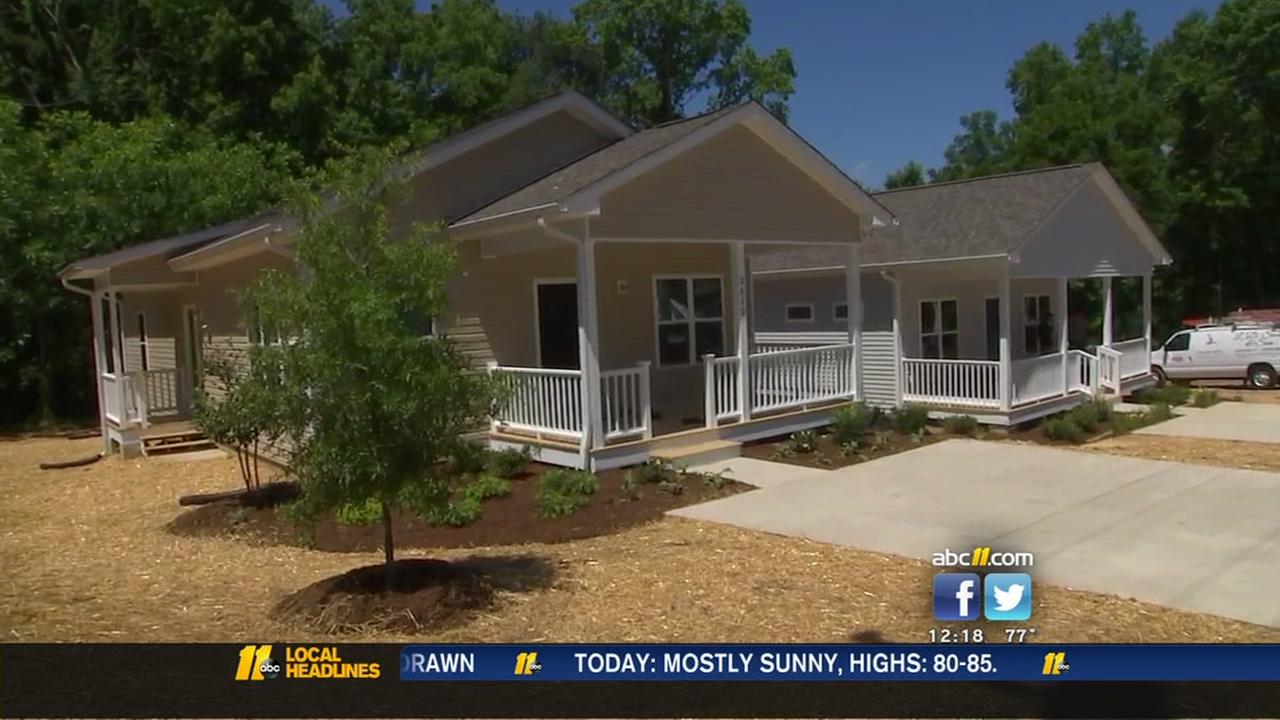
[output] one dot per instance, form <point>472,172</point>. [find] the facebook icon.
<point>955,596</point>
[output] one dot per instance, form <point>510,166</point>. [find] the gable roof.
<point>613,164</point>
<point>977,217</point>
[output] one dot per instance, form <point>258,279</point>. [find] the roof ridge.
<point>699,116</point>
<point>1011,173</point>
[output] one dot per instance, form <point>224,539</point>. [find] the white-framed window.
<point>1037,325</point>
<point>798,313</point>
<point>689,317</point>
<point>840,311</point>
<point>939,329</point>
<point>143,351</point>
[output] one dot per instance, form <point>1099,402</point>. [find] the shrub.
<point>1169,394</point>
<point>485,487</point>
<point>850,422</point>
<point>961,425</point>
<point>716,480</point>
<point>801,443</point>
<point>467,457</point>
<point>1063,429</point>
<point>457,513</point>
<point>630,487</point>
<point>671,487</point>
<point>655,471</point>
<point>910,419</point>
<point>1159,412</point>
<point>507,463</point>
<point>364,513</point>
<point>1085,416</point>
<point>562,491</point>
<point>1205,398</point>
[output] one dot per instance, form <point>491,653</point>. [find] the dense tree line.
<point>1190,127</point>
<point>122,121</point>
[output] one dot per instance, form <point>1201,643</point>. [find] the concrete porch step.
<point>707,451</point>
<point>183,446</point>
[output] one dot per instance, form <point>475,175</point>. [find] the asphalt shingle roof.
<point>965,218</point>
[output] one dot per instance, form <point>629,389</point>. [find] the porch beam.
<point>742,342</point>
<point>1146,309</point>
<point>853,302</point>
<point>1108,307</point>
<point>1063,328</point>
<point>1006,332</point>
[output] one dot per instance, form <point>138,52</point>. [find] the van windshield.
<point>1178,341</point>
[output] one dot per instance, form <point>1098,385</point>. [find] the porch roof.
<point>978,217</point>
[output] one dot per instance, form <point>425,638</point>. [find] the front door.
<point>557,325</point>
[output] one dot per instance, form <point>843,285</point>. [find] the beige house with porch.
<point>604,272</point>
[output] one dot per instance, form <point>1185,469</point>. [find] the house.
<point>603,273</point>
<point>966,309</point>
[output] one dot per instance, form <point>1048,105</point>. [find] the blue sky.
<point>881,83</point>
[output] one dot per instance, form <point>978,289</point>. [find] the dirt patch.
<point>86,558</point>
<point>1198,451</point>
<point>829,454</point>
<point>509,520</point>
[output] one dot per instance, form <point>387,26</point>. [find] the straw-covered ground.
<point>86,557</point>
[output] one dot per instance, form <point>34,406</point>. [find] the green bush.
<point>802,442</point>
<point>671,487</point>
<point>850,422</point>
<point>630,487</point>
<point>365,513</point>
<point>655,471</point>
<point>960,425</point>
<point>484,487</point>
<point>467,457</point>
<point>507,463</point>
<point>562,491</point>
<point>1206,398</point>
<point>1085,416</point>
<point>1063,429</point>
<point>457,513</point>
<point>1169,394</point>
<point>1159,412</point>
<point>910,419</point>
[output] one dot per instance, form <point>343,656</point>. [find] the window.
<point>1037,325</point>
<point>1179,341</point>
<point>142,342</point>
<point>840,311</point>
<point>799,313</point>
<point>690,318</point>
<point>939,329</point>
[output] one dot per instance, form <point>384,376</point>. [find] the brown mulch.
<point>509,520</point>
<point>1197,451</point>
<point>86,558</point>
<point>828,453</point>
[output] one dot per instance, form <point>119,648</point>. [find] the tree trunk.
<point>388,548</point>
<point>257,478</point>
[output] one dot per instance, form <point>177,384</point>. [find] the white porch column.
<point>1146,309</point>
<point>99,366</point>
<point>117,345</point>
<point>588,348</point>
<point>1063,329</point>
<point>1006,357</point>
<point>853,301</point>
<point>738,256</point>
<point>1108,306</point>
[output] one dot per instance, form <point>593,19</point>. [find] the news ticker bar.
<point>833,663</point>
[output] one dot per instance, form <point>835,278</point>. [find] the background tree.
<point>369,403</point>
<point>908,175</point>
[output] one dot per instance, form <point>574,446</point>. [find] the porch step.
<point>707,451</point>
<point>176,442</point>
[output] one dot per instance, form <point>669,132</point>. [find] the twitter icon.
<point>1007,596</point>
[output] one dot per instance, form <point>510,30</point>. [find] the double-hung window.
<point>840,311</point>
<point>690,318</point>
<point>939,329</point>
<point>1037,325</point>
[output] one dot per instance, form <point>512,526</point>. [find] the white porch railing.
<point>1038,378</point>
<point>1134,358</point>
<point>973,383</point>
<point>721,398</point>
<point>796,378</point>
<point>159,392</point>
<point>624,396</point>
<point>113,398</point>
<point>1109,369</point>
<point>1082,372</point>
<point>541,401</point>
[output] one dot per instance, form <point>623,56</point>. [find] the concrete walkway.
<point>1253,422</point>
<point>760,473</point>
<point>1200,538</point>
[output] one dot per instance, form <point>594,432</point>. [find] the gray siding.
<point>879,368</point>
<point>1087,236</point>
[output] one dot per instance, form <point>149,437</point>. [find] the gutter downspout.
<point>892,279</point>
<point>97,359</point>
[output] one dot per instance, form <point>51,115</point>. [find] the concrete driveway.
<point>1189,536</point>
<point>1254,422</point>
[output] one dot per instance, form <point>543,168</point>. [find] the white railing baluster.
<point>962,383</point>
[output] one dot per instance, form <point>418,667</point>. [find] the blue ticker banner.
<point>834,663</point>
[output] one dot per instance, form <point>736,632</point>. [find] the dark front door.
<point>558,325</point>
<point>993,328</point>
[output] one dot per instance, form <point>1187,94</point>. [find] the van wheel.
<point>1161,378</point>
<point>1262,376</point>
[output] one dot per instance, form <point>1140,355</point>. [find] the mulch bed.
<point>829,454</point>
<point>509,520</point>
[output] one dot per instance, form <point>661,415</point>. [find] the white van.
<point>1249,352</point>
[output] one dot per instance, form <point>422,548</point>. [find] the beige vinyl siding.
<point>733,186</point>
<point>475,179</point>
<point>164,329</point>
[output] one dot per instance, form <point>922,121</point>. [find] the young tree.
<point>370,400</point>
